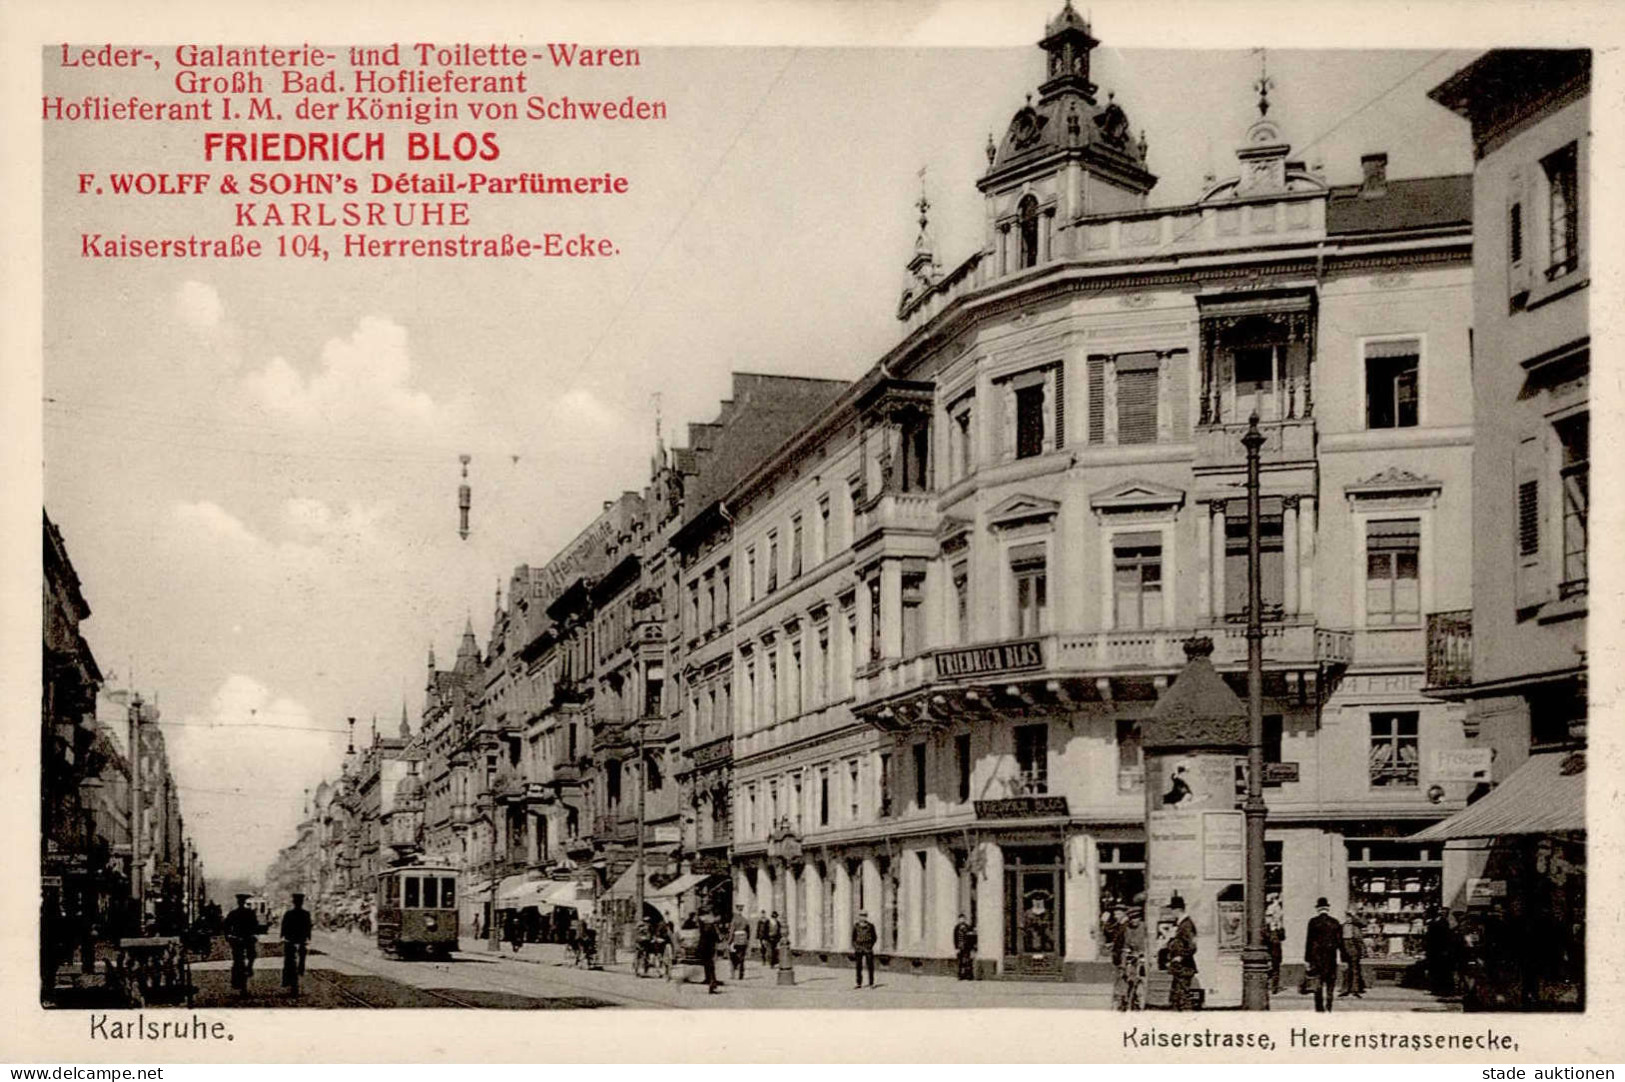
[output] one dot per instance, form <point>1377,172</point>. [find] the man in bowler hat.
<point>1322,943</point>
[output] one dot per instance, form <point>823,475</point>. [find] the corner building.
<point>959,590</point>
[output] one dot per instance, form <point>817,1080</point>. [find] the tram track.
<point>352,996</point>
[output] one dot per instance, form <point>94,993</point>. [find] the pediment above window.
<point>1022,509</point>
<point>1137,496</point>
<point>1394,484</point>
<point>954,533</point>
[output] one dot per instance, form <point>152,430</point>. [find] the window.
<point>1137,581</point>
<point>821,667</point>
<point>852,791</point>
<point>412,885</point>
<point>750,690</point>
<point>1255,376</point>
<point>1030,421</point>
<point>750,810</point>
<point>1027,225</point>
<point>1394,749</point>
<point>1274,733</point>
<point>1130,757</point>
<point>652,774</point>
<point>916,474</point>
<point>724,593</point>
<point>694,608</point>
<point>694,718</point>
<point>1563,211</point>
<point>654,690</point>
<point>1393,592</point>
<point>962,602</point>
<point>431,892</point>
<point>874,619</point>
<point>962,764</point>
<point>1032,760</point>
<point>772,561</point>
<point>959,441</point>
<point>1574,433</point>
<point>772,688</point>
<point>612,782</point>
<point>772,804</point>
<point>921,907</point>
<point>913,618</point>
<point>1391,383</point>
<point>1271,563</point>
<point>1515,233</point>
<point>710,612</point>
<point>850,653</point>
<point>823,796</point>
<point>1027,567</point>
<point>724,717</point>
<point>821,552</point>
<point>448,889</point>
<point>794,677</point>
<point>919,776</point>
<point>886,806</point>
<point>750,575</point>
<point>1137,398</point>
<point>796,806</point>
<point>795,547</point>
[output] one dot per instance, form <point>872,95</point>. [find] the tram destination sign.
<point>1021,807</point>
<point>999,658</point>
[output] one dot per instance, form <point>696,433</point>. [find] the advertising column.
<point>1194,830</point>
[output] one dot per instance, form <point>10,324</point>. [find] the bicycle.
<point>1128,991</point>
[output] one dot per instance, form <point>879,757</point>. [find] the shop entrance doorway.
<point>1034,903</point>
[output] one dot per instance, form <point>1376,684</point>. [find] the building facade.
<point>1517,657</point>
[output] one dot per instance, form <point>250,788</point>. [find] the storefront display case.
<point>1392,887</point>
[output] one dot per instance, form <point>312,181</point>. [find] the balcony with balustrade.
<point>1450,649</point>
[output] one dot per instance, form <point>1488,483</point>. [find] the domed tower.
<point>1062,157</point>
<point>405,817</point>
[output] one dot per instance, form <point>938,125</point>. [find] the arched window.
<point>1029,231</point>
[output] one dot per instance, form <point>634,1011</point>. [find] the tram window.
<point>411,893</point>
<point>431,898</point>
<point>448,893</point>
<point>392,892</point>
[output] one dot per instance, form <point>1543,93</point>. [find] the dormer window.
<point>1028,225</point>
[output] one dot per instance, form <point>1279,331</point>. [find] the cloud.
<point>211,519</point>
<point>310,519</point>
<point>198,306</point>
<point>242,765</point>
<point>364,377</point>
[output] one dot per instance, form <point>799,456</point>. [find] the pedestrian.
<point>1274,938</point>
<point>516,931</point>
<point>1322,942</point>
<point>864,938</point>
<point>739,944</point>
<point>1440,944</point>
<point>775,933</point>
<point>1181,950</point>
<point>708,950</point>
<point>242,929</point>
<point>1115,933</point>
<point>295,942</point>
<point>1353,951</point>
<point>965,948</point>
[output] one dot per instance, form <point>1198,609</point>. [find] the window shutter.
<point>1176,367</point>
<point>1137,406</point>
<point>1097,400</point>
<point>1533,581</point>
<point>1060,405</point>
<point>1520,275</point>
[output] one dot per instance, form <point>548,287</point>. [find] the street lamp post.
<point>637,916</point>
<point>1255,957</point>
<point>491,788</point>
<point>784,846</point>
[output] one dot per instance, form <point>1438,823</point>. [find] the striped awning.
<point>1546,795</point>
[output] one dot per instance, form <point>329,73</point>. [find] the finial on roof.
<point>406,727</point>
<point>992,151</point>
<point>1264,84</point>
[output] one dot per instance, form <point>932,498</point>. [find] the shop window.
<point>1574,434</point>
<point>1395,752</point>
<point>1137,581</point>
<point>1563,211</point>
<point>1392,886</point>
<point>1271,563</point>
<point>1032,760</point>
<point>1130,757</point>
<point>1030,421</point>
<point>919,776</point>
<point>1393,594</point>
<point>1122,873</point>
<point>1031,586</point>
<point>962,764</point>
<point>1391,370</point>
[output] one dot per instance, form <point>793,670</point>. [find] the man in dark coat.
<point>708,950</point>
<point>761,935</point>
<point>775,933</point>
<point>864,938</point>
<point>1181,958</point>
<point>242,929</point>
<point>1322,943</point>
<point>965,948</point>
<point>295,942</point>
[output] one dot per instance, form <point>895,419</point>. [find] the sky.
<point>255,465</point>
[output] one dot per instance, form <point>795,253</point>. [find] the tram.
<point>417,910</point>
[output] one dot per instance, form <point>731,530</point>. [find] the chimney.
<point>1375,170</point>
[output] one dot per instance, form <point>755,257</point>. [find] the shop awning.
<point>518,895</point>
<point>679,886</point>
<point>564,892</point>
<point>1546,795</point>
<point>626,886</point>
